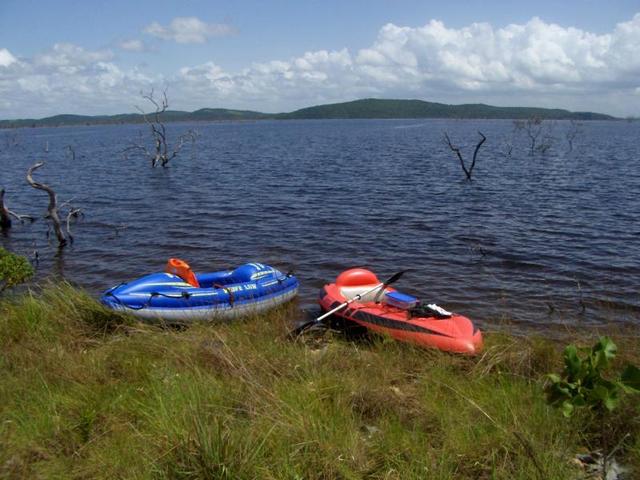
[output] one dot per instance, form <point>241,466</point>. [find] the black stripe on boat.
<point>384,321</point>
<point>393,324</point>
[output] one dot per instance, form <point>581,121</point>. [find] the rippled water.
<point>536,239</point>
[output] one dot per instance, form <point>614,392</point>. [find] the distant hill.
<point>204,114</point>
<point>225,114</point>
<point>366,108</point>
<point>377,108</point>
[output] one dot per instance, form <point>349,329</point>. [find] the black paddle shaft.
<point>298,330</point>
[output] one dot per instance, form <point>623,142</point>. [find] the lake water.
<point>535,239</point>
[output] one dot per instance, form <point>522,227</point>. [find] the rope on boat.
<point>185,295</point>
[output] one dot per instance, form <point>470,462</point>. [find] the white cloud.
<point>6,58</point>
<point>535,63</point>
<point>71,56</point>
<point>69,78</point>
<point>132,45</point>
<point>313,77</point>
<point>526,57</point>
<point>189,30</point>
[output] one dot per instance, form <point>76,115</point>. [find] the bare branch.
<point>117,229</point>
<point>191,135</point>
<point>141,148</point>
<point>532,126</point>
<point>545,144</point>
<point>136,147</point>
<point>475,152</point>
<point>66,203</point>
<point>53,207</point>
<point>467,171</point>
<point>161,153</point>
<point>457,152</point>
<point>11,139</point>
<point>73,213</point>
<point>5,218</point>
<point>72,151</point>
<point>507,146</point>
<point>575,129</point>
<point>6,214</point>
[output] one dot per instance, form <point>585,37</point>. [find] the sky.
<point>96,57</point>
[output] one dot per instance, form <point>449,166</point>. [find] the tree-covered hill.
<point>365,108</point>
<point>204,114</point>
<point>379,108</point>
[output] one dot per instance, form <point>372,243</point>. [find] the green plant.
<point>583,384</point>
<point>14,269</point>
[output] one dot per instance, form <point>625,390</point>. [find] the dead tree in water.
<point>71,149</point>
<point>6,214</point>
<point>534,127</point>
<point>575,129</point>
<point>467,171</point>
<point>11,140</point>
<point>161,153</point>
<point>54,210</point>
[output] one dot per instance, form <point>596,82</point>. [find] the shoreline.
<point>248,121</point>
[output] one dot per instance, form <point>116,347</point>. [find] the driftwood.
<point>6,214</point>
<point>467,171</point>
<point>161,153</point>
<point>52,209</point>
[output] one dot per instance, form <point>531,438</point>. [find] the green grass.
<point>87,393</point>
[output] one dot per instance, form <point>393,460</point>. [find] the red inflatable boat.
<point>399,315</point>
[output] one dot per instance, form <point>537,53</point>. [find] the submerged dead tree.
<point>575,129</point>
<point>72,151</point>
<point>161,153</point>
<point>539,131</point>
<point>11,140</point>
<point>467,171</point>
<point>6,214</point>
<point>53,209</point>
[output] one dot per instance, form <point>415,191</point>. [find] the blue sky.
<point>95,57</point>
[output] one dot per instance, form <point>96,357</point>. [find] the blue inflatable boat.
<point>179,295</point>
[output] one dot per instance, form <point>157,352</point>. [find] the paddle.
<point>297,331</point>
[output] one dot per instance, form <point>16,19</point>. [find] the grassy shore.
<point>86,393</point>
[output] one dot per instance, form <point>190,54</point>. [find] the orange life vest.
<point>182,269</point>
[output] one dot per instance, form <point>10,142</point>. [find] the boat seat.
<point>251,272</point>
<point>350,292</point>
